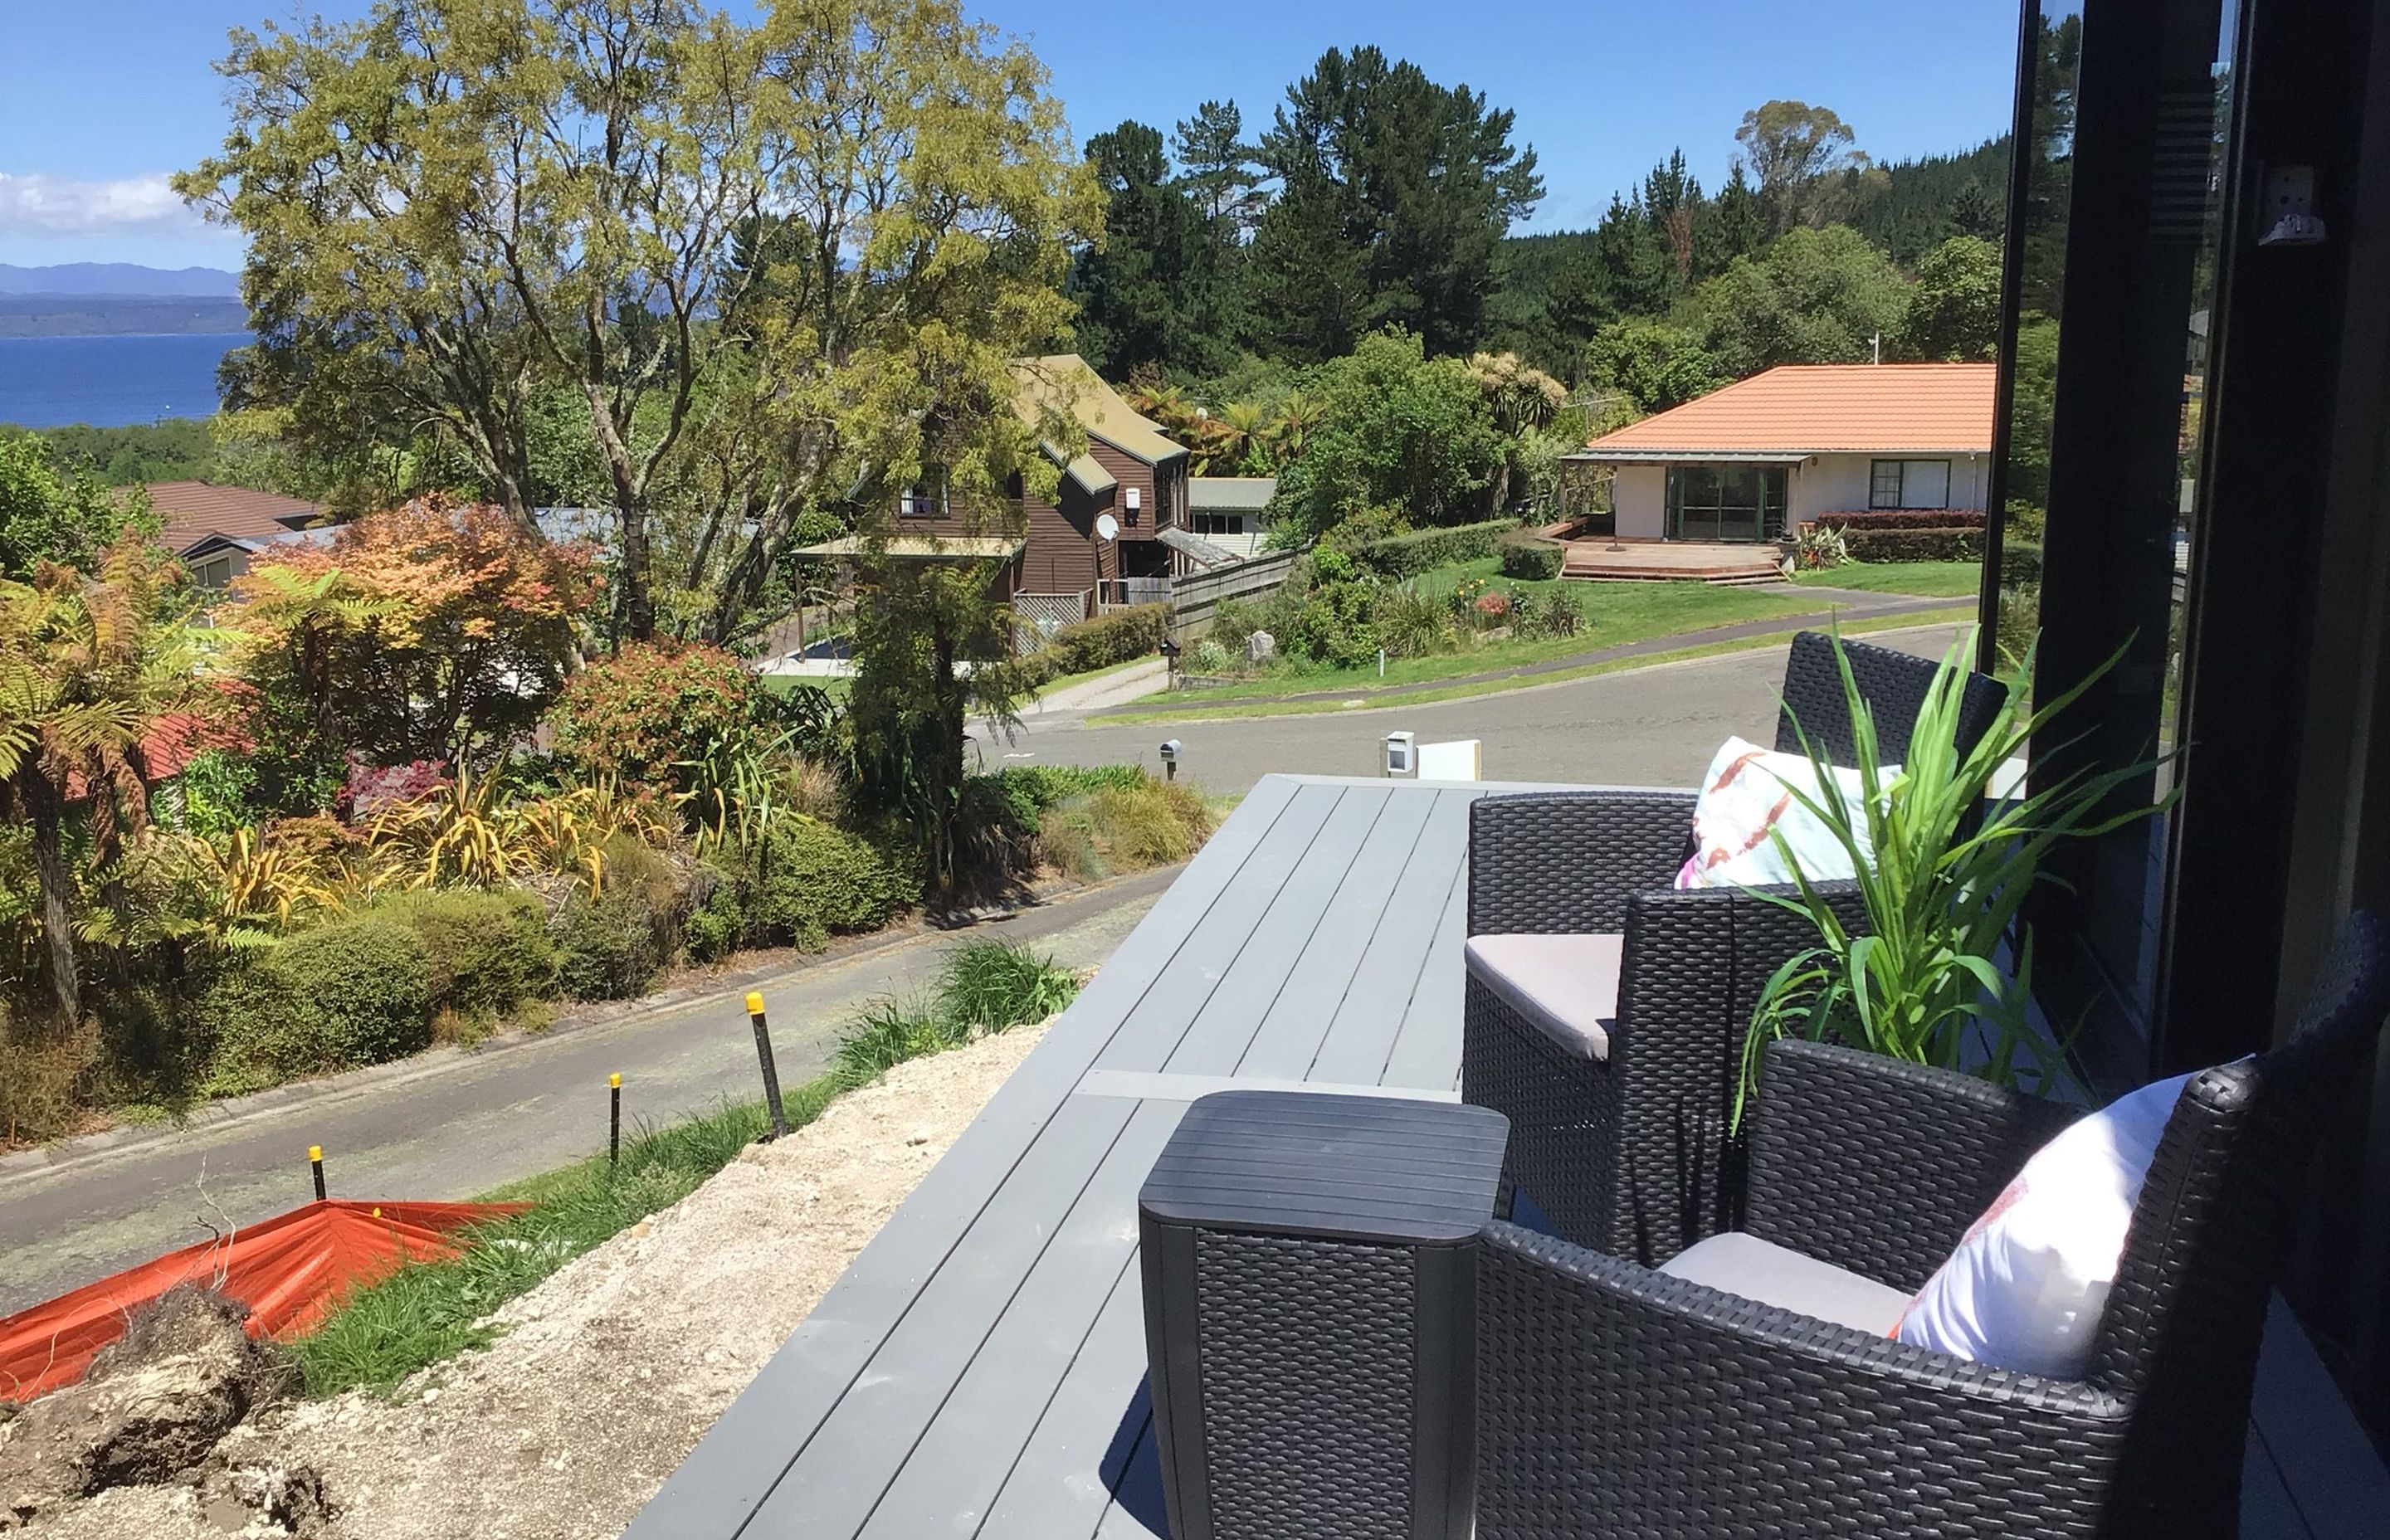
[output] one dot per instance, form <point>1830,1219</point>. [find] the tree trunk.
<point>49,813</point>
<point>638,602</point>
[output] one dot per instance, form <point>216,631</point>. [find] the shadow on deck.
<point>979,1371</point>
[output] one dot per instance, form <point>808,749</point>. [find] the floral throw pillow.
<point>1745,797</point>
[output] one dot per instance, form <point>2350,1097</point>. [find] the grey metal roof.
<point>1201,551</point>
<point>1231,494</point>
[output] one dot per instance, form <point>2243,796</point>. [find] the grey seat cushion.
<point>1755,1269</point>
<point>1566,986</point>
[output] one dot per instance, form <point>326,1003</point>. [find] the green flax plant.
<point>1950,866</point>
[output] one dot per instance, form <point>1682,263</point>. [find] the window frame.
<point>1900,468</point>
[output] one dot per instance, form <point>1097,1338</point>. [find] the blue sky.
<point>99,100</point>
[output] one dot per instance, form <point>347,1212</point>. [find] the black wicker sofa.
<point>1613,1399</point>
<point>1604,1010</point>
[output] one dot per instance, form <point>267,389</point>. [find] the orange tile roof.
<point>1813,409</point>
<point>194,510</point>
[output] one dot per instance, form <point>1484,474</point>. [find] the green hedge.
<point>341,996</point>
<point>489,951</point>
<point>1902,518</point>
<point>1914,544</point>
<point>811,881</point>
<point>1028,790</point>
<point>1530,557</point>
<point>1401,555</point>
<point>1120,637</point>
<point>613,944</point>
<point>2020,563</point>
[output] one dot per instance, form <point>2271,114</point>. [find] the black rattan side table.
<point>1310,1292</point>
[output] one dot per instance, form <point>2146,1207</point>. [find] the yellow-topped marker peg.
<point>615,1081</point>
<point>314,1152</point>
<point>315,1168</point>
<point>763,1061</point>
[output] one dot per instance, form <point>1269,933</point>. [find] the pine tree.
<point>1731,227</point>
<point>1215,166</point>
<point>1155,292</point>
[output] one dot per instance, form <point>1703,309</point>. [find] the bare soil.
<point>609,1372</point>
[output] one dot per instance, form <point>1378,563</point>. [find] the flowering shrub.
<point>371,787</point>
<point>1819,547</point>
<point>647,713</point>
<point>1495,607</point>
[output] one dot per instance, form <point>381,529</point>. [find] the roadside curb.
<point>65,1154</point>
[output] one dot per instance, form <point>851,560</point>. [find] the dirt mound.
<point>151,1411</point>
<point>607,1373</point>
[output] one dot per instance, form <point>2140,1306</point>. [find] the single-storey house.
<point>1751,461</point>
<point>216,529</point>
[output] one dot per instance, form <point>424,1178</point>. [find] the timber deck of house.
<point>1638,560</point>
<point>979,1371</point>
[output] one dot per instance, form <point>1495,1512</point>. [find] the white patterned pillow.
<point>1744,796</point>
<point>2027,1283</point>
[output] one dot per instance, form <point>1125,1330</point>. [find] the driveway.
<point>451,1124</point>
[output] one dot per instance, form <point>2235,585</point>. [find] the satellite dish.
<point>1107,527</point>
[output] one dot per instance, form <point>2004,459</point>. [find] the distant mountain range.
<point>118,299</point>
<point>116,279</point>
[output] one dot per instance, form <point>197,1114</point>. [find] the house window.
<point>1909,484</point>
<point>1219,523</point>
<point>214,572</point>
<point>1725,502</point>
<point>925,498</point>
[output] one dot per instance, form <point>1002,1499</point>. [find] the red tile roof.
<point>1814,408</point>
<point>194,510</point>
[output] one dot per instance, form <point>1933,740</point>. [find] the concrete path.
<point>1146,676</point>
<point>451,1124</point>
<point>1646,726</point>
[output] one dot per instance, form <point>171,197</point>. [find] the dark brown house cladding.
<point>1110,504</point>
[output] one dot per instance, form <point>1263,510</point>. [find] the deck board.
<point>979,1369</point>
<point>1361,1037</point>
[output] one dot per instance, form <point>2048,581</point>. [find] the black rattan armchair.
<point>1615,1400</point>
<point>1604,1012</point>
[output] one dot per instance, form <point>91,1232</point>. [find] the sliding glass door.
<point>1725,502</point>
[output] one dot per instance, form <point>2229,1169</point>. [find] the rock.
<point>1260,647</point>
<point>918,1136</point>
<point>153,1408</point>
<point>292,1500</point>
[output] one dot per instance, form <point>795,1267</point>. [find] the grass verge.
<point>428,1312</point>
<point>1937,580</point>
<point>1614,614</point>
<point>1185,709</point>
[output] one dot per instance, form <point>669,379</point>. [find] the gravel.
<point>611,1371</point>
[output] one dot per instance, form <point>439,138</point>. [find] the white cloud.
<point>35,204</point>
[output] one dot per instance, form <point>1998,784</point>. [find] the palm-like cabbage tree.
<point>88,666</point>
<point>1298,417</point>
<point>1241,423</point>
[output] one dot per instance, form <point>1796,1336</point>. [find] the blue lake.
<point>46,381</point>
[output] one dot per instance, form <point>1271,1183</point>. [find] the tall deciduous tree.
<point>1813,297</point>
<point>1417,182</point>
<point>1954,310</point>
<point>1798,152</point>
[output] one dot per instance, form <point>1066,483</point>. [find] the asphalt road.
<point>1649,726</point>
<point>454,1124</point>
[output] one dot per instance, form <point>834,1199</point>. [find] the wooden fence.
<point>1195,598</point>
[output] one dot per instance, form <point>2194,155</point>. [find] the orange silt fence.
<point>289,1271</point>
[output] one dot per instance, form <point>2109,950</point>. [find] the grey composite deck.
<point>979,1371</point>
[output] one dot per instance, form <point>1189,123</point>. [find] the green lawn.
<point>1614,613</point>
<point>1933,578</point>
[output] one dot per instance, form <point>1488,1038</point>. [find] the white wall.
<point>1840,484</point>
<point>1639,496</point>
